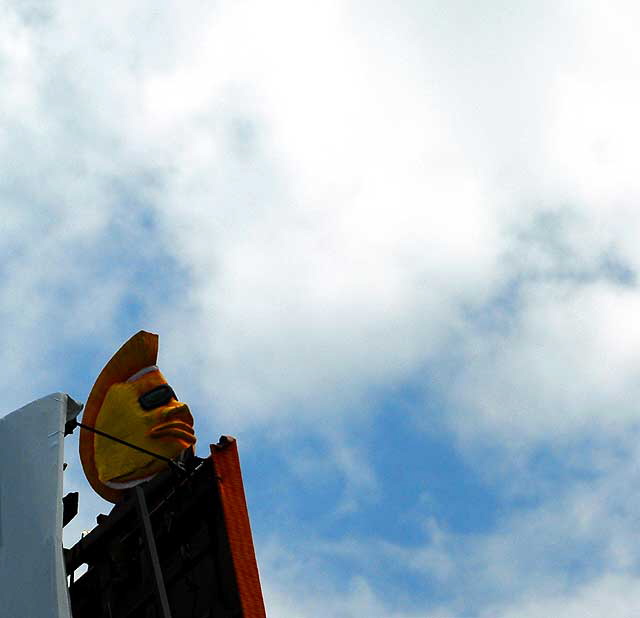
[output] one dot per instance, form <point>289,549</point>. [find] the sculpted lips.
<point>174,429</point>
<point>178,425</point>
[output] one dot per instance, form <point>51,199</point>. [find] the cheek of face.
<point>122,416</point>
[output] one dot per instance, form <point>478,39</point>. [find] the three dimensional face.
<point>144,412</point>
<point>132,401</point>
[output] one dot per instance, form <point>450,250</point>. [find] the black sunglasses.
<point>156,397</point>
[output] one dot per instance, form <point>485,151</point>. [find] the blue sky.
<point>391,247</point>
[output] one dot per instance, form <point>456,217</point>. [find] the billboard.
<point>32,572</point>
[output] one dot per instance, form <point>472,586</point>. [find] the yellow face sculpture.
<point>144,412</point>
<point>131,400</point>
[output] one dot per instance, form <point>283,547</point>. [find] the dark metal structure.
<point>178,546</point>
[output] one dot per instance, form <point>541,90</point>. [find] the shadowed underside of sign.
<point>204,547</point>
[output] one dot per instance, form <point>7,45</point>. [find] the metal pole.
<point>143,512</point>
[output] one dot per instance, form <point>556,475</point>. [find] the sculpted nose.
<point>178,412</point>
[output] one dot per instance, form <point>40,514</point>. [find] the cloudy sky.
<point>391,246</point>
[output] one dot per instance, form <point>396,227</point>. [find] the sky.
<point>391,247</point>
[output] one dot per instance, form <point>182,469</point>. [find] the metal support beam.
<point>143,513</point>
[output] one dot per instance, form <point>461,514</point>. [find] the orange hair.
<point>138,352</point>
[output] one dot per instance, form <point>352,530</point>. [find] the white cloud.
<point>567,363</point>
<point>610,595</point>
<point>384,177</point>
<point>360,226</point>
<point>301,587</point>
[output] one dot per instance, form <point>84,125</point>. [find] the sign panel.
<point>32,573</point>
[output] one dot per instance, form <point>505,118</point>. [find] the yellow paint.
<point>166,430</point>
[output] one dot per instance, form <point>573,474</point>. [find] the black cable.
<point>174,464</point>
